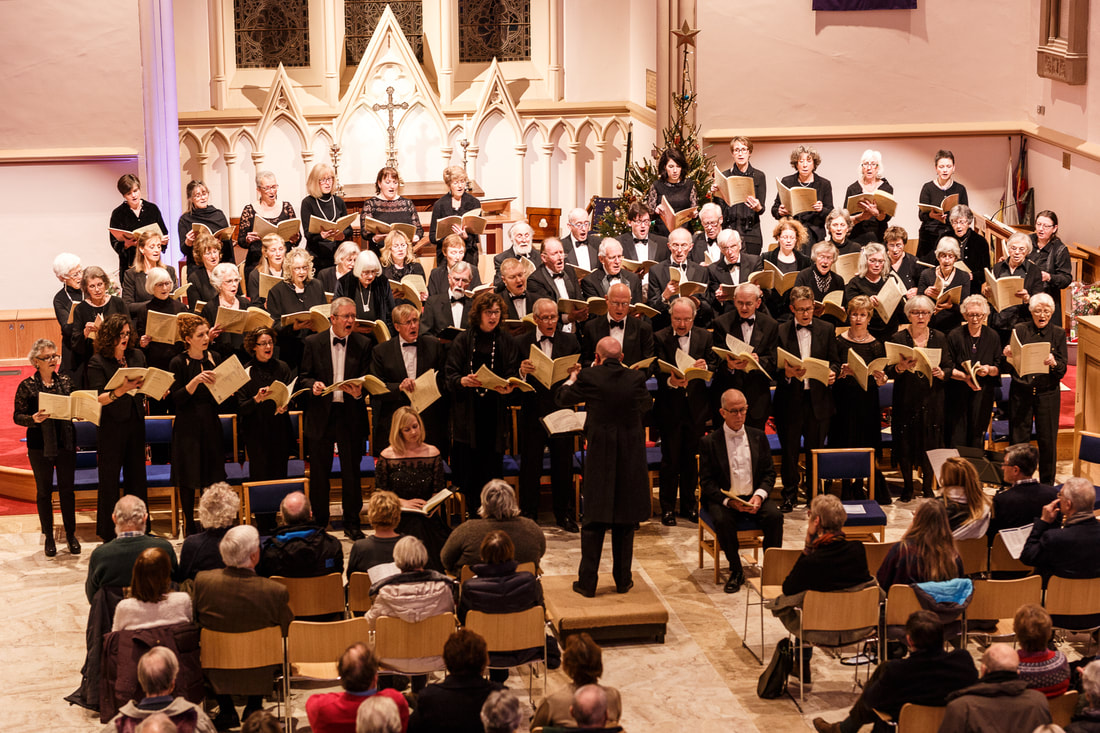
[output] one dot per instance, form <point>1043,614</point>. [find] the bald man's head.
<point>608,348</point>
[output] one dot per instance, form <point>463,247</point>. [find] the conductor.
<point>616,493</point>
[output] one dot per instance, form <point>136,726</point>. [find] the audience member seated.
<point>218,510</point>
<point>925,677</point>
<point>112,563</point>
<point>454,705</point>
<point>261,721</point>
<point>335,712</point>
<point>926,551</point>
<point>967,505</point>
<point>1022,503</point>
<point>501,713</point>
<point>157,723</point>
<point>498,511</point>
<point>234,599</point>
<point>1087,718</point>
<point>378,715</point>
<point>589,711</point>
<point>156,672</point>
<point>1042,668</point>
<point>151,601</point>
<point>1000,701</point>
<point>299,548</point>
<point>582,661</point>
<point>374,554</point>
<point>1069,550</point>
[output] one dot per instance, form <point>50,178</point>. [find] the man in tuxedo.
<point>640,243</point>
<point>338,418</point>
<point>398,362</point>
<point>454,250</point>
<point>681,409</point>
<point>802,406</point>
<point>448,309</point>
<point>706,241</point>
<point>533,438</point>
<point>735,460</point>
<point>555,281</point>
<point>579,246</point>
<point>521,235</point>
<point>616,492</point>
<point>748,323</point>
<point>513,288</point>
<point>664,287</point>
<point>732,268</point>
<point>610,272</point>
<point>1025,497</point>
<point>635,335</point>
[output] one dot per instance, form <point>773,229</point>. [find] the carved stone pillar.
<point>448,29</point>
<point>330,79</point>
<point>204,166</point>
<point>232,174</point>
<point>547,150</point>
<point>601,167</point>
<point>572,149</point>
<point>219,83</point>
<point>555,74</point>
<point>519,206</point>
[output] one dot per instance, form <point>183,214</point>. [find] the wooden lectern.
<point>1086,414</point>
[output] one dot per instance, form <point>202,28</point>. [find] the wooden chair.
<point>396,641</point>
<point>750,538</point>
<point>263,497</point>
<point>774,570</point>
<point>359,601</point>
<point>264,647</point>
<point>837,611</point>
<point>467,571</point>
<point>842,463</point>
<point>901,602</point>
<point>318,596</point>
<point>1000,561</point>
<point>313,648</point>
<point>876,553</point>
<point>1072,597</point>
<point>975,555</point>
<point>508,633</point>
<point>1062,707</point>
<point>1088,451</point>
<point>920,718</point>
<point>158,476</point>
<point>998,600</point>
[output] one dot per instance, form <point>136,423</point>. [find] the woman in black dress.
<point>397,262</point>
<point>133,213</point>
<point>298,292</point>
<point>273,256</point>
<point>456,202</point>
<point>820,277</point>
<point>121,420</point>
<point>322,202</point>
<point>872,275</point>
<point>933,225</point>
<point>673,185</point>
<point>67,269</point>
<point>787,257</point>
<point>148,258</point>
<point>264,427</point>
<point>935,281</point>
<point>199,211</point>
<point>88,315</point>
<point>225,278</point>
<point>901,264</point>
<point>859,424</point>
<point>918,410</point>
<point>208,255</point>
<point>158,354</point>
<point>269,208</point>
<point>478,415</point>
<point>1015,264</point>
<point>970,402</point>
<point>973,247</point>
<point>50,444</point>
<point>1052,257</point>
<point>805,160</point>
<point>869,222</point>
<point>413,470</point>
<point>388,207</point>
<point>371,293</point>
<point>344,261</point>
<point>198,457</point>
<point>838,226</point>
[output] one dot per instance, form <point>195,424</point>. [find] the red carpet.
<point>13,451</point>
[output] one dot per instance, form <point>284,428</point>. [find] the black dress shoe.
<point>354,534</point>
<point>569,525</point>
<point>51,547</point>
<point>226,719</point>
<point>74,545</point>
<point>624,588</point>
<point>578,588</point>
<point>691,516</point>
<point>787,507</point>
<point>668,519</point>
<point>734,583</point>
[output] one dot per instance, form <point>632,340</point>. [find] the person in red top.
<point>334,712</point>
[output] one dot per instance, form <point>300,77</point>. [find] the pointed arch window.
<point>490,29</point>
<point>271,32</point>
<point>361,18</point>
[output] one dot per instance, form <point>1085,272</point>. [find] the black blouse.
<point>56,433</point>
<point>329,208</point>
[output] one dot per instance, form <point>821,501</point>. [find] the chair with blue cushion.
<point>264,497</point>
<point>87,466</point>
<point>158,476</point>
<point>866,521</point>
<point>842,463</point>
<point>1088,451</point>
<point>749,537</point>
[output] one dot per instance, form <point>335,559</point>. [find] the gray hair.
<point>1040,299</point>
<point>157,670</point>
<point>608,242</point>
<point>498,501</point>
<point>1090,679</point>
<point>577,215</point>
<point>238,546</point>
<point>262,176</point>
<point>872,156</point>
<point>822,248</point>
<point>710,208</point>
<point>919,300</point>
<point>1000,657</point>
<point>378,714</point>
<point>683,300</point>
<point>726,235</point>
<point>519,227</point>
<point>838,214</point>
<point>961,211</point>
<point>829,511</point>
<point>977,301</point>
<point>219,506</point>
<point>410,554</point>
<point>948,244</point>
<point>590,705</point>
<point>1020,238</point>
<point>155,277</point>
<point>367,260</point>
<point>462,266</point>
<point>748,287</point>
<point>64,263</point>
<point>501,713</point>
<point>1080,492</point>
<point>872,248</point>
<point>38,347</point>
<point>130,514</point>
<point>156,723</point>
<point>295,508</point>
<point>341,302</point>
<point>344,250</point>
<point>217,275</point>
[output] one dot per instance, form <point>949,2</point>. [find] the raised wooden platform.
<point>639,614</point>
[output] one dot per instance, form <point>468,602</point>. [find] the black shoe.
<point>624,588</point>
<point>905,497</point>
<point>354,534</point>
<point>578,588</point>
<point>569,525</point>
<point>51,547</point>
<point>691,516</point>
<point>74,545</point>
<point>734,583</point>
<point>823,726</point>
<point>226,719</point>
<point>248,712</point>
<point>787,506</point>
<point>668,519</point>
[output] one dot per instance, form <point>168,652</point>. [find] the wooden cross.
<point>390,106</point>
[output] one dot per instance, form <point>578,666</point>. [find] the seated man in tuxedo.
<point>748,322</point>
<point>553,342</point>
<point>579,246</point>
<point>706,242</point>
<point>732,268</point>
<point>1064,539</point>
<point>735,461</point>
<point>664,287</point>
<point>681,409</point>
<point>454,250</point>
<point>553,280</point>
<point>1023,501</point>
<point>522,236</point>
<point>448,309</point>
<point>513,288</point>
<point>610,272</point>
<point>634,335</point>
<point>338,418</point>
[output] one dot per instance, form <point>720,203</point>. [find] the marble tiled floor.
<point>700,677</point>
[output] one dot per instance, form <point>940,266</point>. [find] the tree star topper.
<point>686,34</point>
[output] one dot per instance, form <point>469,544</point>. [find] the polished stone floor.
<point>700,677</point>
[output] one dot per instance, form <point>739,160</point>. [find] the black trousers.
<point>1026,404</point>
<point>121,448</point>
<point>967,415</point>
<point>533,441</point>
<point>679,473</point>
<point>768,519</point>
<point>475,467</point>
<point>622,554</point>
<point>65,464</point>
<point>350,443</point>
<point>797,423</point>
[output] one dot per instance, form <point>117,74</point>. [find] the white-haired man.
<point>1000,701</point>
<point>156,673</point>
<point>112,563</point>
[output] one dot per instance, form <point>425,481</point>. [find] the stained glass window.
<point>361,18</point>
<point>494,28</point>
<point>271,32</point>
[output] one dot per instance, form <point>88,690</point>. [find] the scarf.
<point>825,538</point>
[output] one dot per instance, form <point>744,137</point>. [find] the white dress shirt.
<point>339,352</point>
<point>408,355</point>
<point>740,463</point>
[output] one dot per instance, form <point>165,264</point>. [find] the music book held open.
<point>679,218</point>
<point>378,329</point>
<point>797,199</point>
<point>281,394</point>
<point>134,235</point>
<point>832,305</point>
<point>156,382</point>
<point>816,369</point>
<point>638,267</point>
<point>861,370</point>
<point>369,382</point>
<point>373,226</point>
<point>233,320</point>
<point>927,359</point>
<point>318,225</point>
<point>409,289</point>
<point>596,305</point>
<point>473,221</point>
<point>223,234</point>
<point>688,288</point>
<point>1003,291</point>
<point>847,266</point>
<point>231,376</point>
<point>639,309</point>
<point>886,203</point>
<point>317,317</point>
<point>1028,358</point>
<point>734,189</point>
<point>489,380</point>
<point>738,349</point>
<point>179,292</point>
<point>551,371</point>
<point>889,297</point>
<point>564,421</point>
<point>774,278</point>
<point>426,392</point>
<point>80,405</point>
<point>286,229</point>
<point>267,282</point>
<point>945,206</point>
<point>685,368</point>
<point>163,328</point>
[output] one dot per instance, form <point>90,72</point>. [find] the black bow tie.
<point>546,339</point>
<point>558,276</point>
<point>734,264</point>
<point>799,327</point>
<point>457,300</point>
<point>618,324</point>
<point>712,242</point>
<point>751,321</point>
<point>340,342</point>
<point>641,241</point>
<point>519,296</point>
<point>411,345</point>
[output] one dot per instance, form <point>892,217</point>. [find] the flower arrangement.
<point>1085,301</point>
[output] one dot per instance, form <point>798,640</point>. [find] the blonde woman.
<point>147,257</point>
<point>323,202</point>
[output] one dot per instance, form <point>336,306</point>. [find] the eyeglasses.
<point>740,150</point>
<point>270,189</point>
<point>326,179</point>
<point>51,358</point>
<point>920,314</point>
<point>736,410</point>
